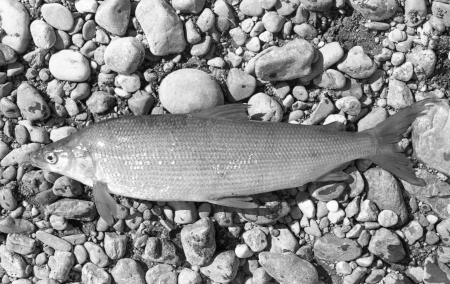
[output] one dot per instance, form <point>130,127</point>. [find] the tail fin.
<point>389,155</point>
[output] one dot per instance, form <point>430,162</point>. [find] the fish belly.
<point>183,157</point>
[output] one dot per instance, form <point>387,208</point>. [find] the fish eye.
<point>51,158</point>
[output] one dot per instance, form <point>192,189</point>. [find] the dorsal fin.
<point>231,112</point>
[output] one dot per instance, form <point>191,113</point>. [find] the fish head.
<point>65,157</point>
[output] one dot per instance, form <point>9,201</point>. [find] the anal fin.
<point>106,205</point>
<point>334,176</point>
<point>244,202</point>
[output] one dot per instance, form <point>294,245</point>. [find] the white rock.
<point>70,66</point>
<point>333,206</point>
<point>307,207</point>
<point>336,217</point>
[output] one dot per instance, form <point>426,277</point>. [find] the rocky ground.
<point>65,65</point>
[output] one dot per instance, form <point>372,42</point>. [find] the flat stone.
<point>291,61</point>
<point>372,119</point>
<point>325,108</point>
<point>113,16</point>
<point>436,193</point>
<point>43,35</point>
<point>53,241</point>
<point>15,25</point>
<point>251,8</point>
<point>375,10</point>
<point>188,90</point>
<point>387,245</point>
<point>60,265</point>
<point>20,244</point>
<point>318,6</point>
<point>384,190</point>
<point>31,104</point>
<point>57,16</point>
<point>326,191</point>
<point>124,55</point>
<point>284,241</point>
<point>73,209</point>
<point>141,102</point>
<point>435,272</point>
<point>413,232</point>
<point>430,137</point>
<point>115,245</point>
<point>96,254</point>
<point>188,6</point>
<point>162,27</point>
<point>70,66</point>
<point>357,64</point>
<point>288,268</point>
<point>330,79</point>
<point>333,249</point>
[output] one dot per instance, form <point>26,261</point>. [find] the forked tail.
<point>388,133</point>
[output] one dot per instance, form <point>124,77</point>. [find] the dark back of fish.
<point>184,157</point>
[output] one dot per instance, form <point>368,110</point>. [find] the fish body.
<point>197,158</point>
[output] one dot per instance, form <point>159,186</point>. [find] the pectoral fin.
<point>106,205</point>
<point>235,201</point>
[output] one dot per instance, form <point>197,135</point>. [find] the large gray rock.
<point>431,137</point>
<point>399,95</point>
<point>288,268</point>
<point>124,55</point>
<point>436,193</point>
<point>387,245</point>
<point>15,23</point>
<point>223,268</point>
<point>113,16</point>
<point>198,241</point>
<point>162,27</point>
<point>375,10</point>
<point>424,62</point>
<point>383,189</point>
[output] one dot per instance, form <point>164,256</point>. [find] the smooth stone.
<point>404,72</point>
<point>96,254</point>
<point>57,16</point>
<point>43,35</point>
<point>126,271</point>
<point>205,21</point>
<point>375,10</point>
<point>31,104</point>
<point>188,6</point>
<point>436,193</point>
<point>162,27</point>
<point>251,8</point>
<point>368,212</point>
<point>129,83</point>
<point>202,47</point>
<point>9,109</point>
<point>124,55</point>
<point>413,232</point>
<point>328,55</point>
<point>443,229</point>
<point>326,191</point>
<point>435,272</point>
<point>185,212</point>
<point>100,102</point>
<point>225,16</point>
<point>223,267</point>
<point>424,62</point>
<point>288,268</point>
<point>357,64</point>
<point>70,66</point>
<point>273,22</point>
<point>198,241</point>
<point>15,25</point>
<point>373,118</point>
<point>61,133</point>
<point>188,90</point>
<point>324,109</point>
<point>331,248</point>
<point>115,245</point>
<point>291,61</point>
<point>286,8</point>
<point>350,105</point>
<point>20,244</point>
<point>255,239</point>
<point>284,240</point>
<point>240,84</point>
<point>387,245</point>
<point>60,265</point>
<point>53,241</point>
<point>141,102</point>
<point>261,103</point>
<point>13,264</point>
<point>440,10</point>
<point>305,31</point>
<point>384,190</point>
<point>86,6</point>
<point>387,218</point>
<point>113,16</point>
<point>192,35</point>
<point>188,276</point>
<point>376,81</point>
<point>162,251</point>
<point>330,79</point>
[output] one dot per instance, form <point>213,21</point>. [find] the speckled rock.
<point>387,246</point>
<point>92,274</point>
<point>162,27</point>
<point>189,90</point>
<point>73,209</point>
<point>261,103</point>
<point>223,267</point>
<point>288,268</point>
<point>240,84</point>
<point>284,240</point>
<point>326,191</point>
<point>20,244</point>
<point>15,25</point>
<point>331,248</point>
<point>199,242</point>
<point>431,143</point>
<point>256,239</point>
<point>162,251</point>
<point>100,102</point>
<point>9,225</point>
<point>12,263</point>
<point>424,62</point>
<point>126,271</point>
<point>373,118</point>
<point>331,79</point>
<point>60,265</point>
<point>375,10</point>
<point>435,272</point>
<point>161,273</point>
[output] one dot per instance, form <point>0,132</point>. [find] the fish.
<point>218,155</point>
